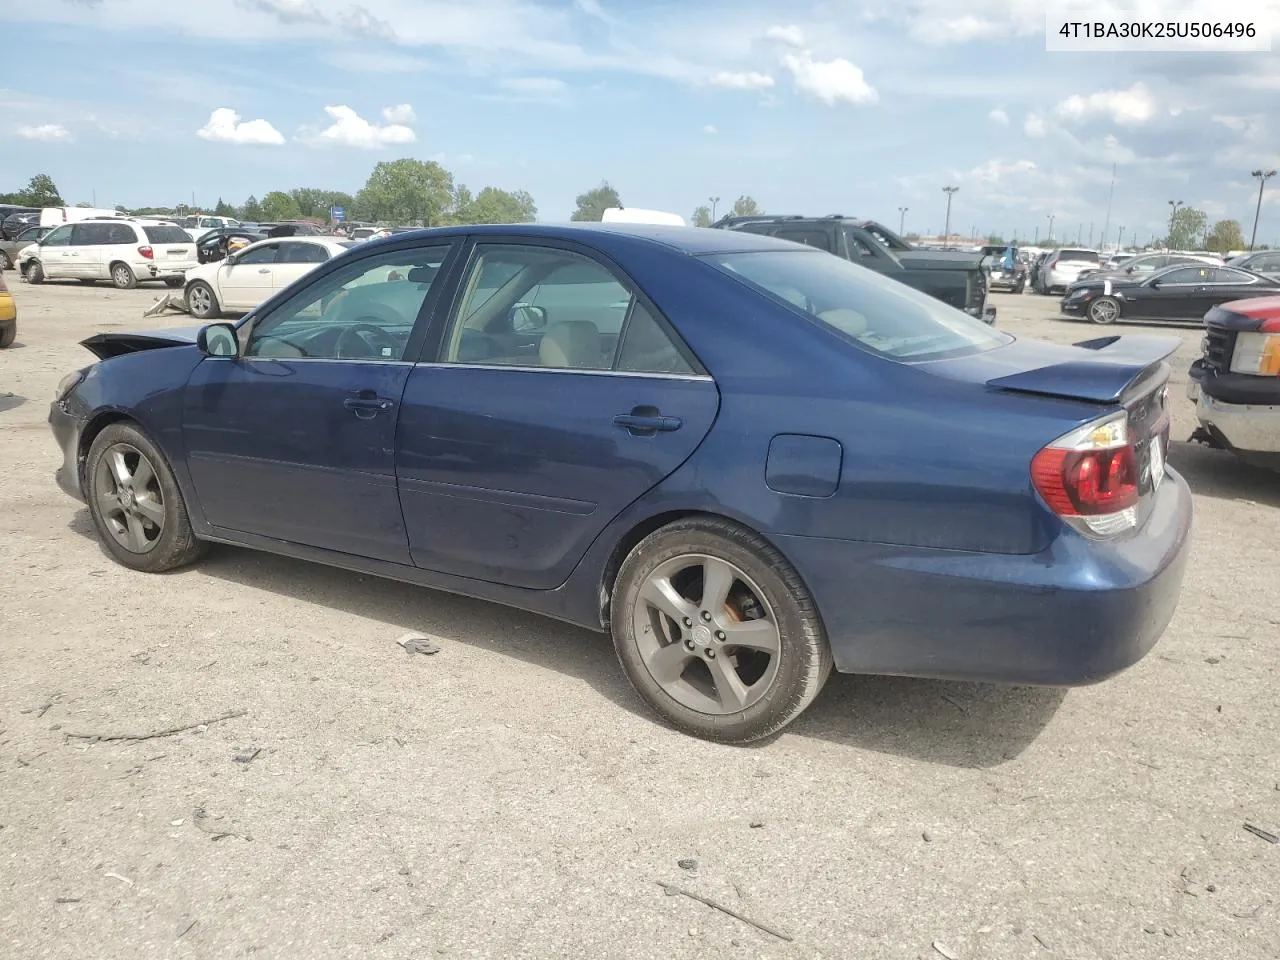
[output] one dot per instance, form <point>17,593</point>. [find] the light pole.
<point>1173,213</point>
<point>1049,238</point>
<point>1120,241</point>
<point>1263,176</point>
<point>902,219</point>
<point>714,201</point>
<point>1036,241</point>
<point>946,231</point>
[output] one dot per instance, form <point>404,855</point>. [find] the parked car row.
<point>124,251</point>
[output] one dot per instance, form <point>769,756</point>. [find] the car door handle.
<point>647,424</point>
<point>368,407</point>
<point>265,270</point>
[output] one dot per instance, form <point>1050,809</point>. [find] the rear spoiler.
<point>1122,368</point>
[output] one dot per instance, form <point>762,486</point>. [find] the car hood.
<point>939,259</point>
<point>107,345</point>
<point>1097,371</point>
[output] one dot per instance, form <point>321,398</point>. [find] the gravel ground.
<point>510,797</point>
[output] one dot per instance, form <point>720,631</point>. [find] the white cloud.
<point>791,35</point>
<point>830,81</point>
<point>993,172</point>
<point>749,80</point>
<point>360,21</point>
<point>710,130</point>
<point>592,8</point>
<point>998,116</point>
<point>1034,126</point>
<point>48,132</point>
<point>1126,107</point>
<point>287,11</point>
<point>535,86</point>
<point>403,113</point>
<point>349,129</point>
<point>225,126</point>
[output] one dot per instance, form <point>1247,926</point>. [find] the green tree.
<point>701,217</point>
<point>313,202</point>
<point>41,191</point>
<point>593,203</point>
<point>280,206</point>
<point>994,238</point>
<point>492,205</point>
<point>252,210</point>
<point>1225,235</point>
<point>224,209</point>
<point>463,205</point>
<point>406,190</point>
<point>746,206</point>
<point>1187,228</point>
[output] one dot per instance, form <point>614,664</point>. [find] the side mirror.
<point>525,318</point>
<point>218,340</point>
<point>1154,284</point>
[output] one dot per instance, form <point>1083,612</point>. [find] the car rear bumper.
<point>165,269</point>
<point>67,430</point>
<point>1075,614</point>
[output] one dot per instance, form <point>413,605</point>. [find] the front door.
<point>1170,295</point>
<point>558,397</point>
<point>54,249</point>
<point>295,439</point>
<point>296,259</point>
<point>244,281</point>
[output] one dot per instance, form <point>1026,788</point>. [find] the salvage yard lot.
<point>510,797</point>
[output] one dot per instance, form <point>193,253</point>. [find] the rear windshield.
<point>167,234</point>
<point>879,315</point>
<point>1088,256</point>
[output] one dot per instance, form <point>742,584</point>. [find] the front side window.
<point>258,255</point>
<point>1187,275</point>
<point>61,237</point>
<point>532,306</point>
<point>878,314</point>
<point>365,311</point>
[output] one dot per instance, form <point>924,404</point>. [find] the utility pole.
<point>1036,241</point>
<point>1091,233</point>
<point>1049,239</point>
<point>1102,241</point>
<point>1080,234</point>
<point>1173,213</point>
<point>1120,241</point>
<point>1263,176</point>
<point>946,231</point>
<point>902,219</point>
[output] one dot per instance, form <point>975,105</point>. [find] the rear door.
<point>535,424</point>
<point>247,279</point>
<point>296,259</point>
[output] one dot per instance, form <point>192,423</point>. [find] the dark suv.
<point>952,276</point>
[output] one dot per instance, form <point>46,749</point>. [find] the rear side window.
<point>121,233</point>
<point>90,234</point>
<point>819,239</point>
<point>876,313</point>
<point>166,234</point>
<point>302,253</point>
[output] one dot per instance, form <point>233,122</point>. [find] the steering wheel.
<point>364,340</point>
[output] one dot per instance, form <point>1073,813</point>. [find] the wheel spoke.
<point>754,635</point>
<point>143,474</point>
<point>666,664</point>
<point>660,593</point>
<point>730,689</point>
<point>137,535</point>
<point>151,509</point>
<point>717,580</point>
<point>119,469</point>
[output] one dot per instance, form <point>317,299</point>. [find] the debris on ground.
<point>415,643</point>
<point>688,863</point>
<point>673,890</point>
<point>116,876</point>
<point>942,948</point>
<point>169,303</point>
<point>201,819</point>
<point>167,732</point>
<point>247,756</point>
<point>1266,835</point>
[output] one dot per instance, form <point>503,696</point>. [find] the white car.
<point>126,252</point>
<point>248,277</point>
<point>199,226</point>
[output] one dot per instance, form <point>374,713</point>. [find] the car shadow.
<point>957,724</point>
<point>10,400</point>
<point>1218,474</point>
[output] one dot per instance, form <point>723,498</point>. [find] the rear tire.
<point>135,502</point>
<point>35,272</point>
<point>123,277</point>
<point>681,655</point>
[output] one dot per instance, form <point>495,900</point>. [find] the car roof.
<point>693,241</point>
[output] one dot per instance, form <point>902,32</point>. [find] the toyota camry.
<point>747,460</point>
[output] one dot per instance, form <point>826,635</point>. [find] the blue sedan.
<point>746,459</point>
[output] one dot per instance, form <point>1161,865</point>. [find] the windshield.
<point>880,315</point>
<point>1079,256</point>
<point>166,234</point>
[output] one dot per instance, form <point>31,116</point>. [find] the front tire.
<point>123,277</point>
<point>716,631</point>
<point>135,502</point>
<point>1104,310</point>
<point>201,302</point>
<point>5,262</point>
<point>35,272</point>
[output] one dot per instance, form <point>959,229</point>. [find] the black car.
<point>212,246</point>
<point>952,276</point>
<point>1180,293</point>
<point>1013,279</point>
<point>14,220</point>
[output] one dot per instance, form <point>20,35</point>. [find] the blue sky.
<point>810,107</point>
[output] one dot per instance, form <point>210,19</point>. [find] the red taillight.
<point>1270,325</point>
<point>147,253</point>
<point>1090,475</point>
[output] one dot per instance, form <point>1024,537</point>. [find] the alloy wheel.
<point>129,498</point>
<point>200,301</point>
<point>707,635</point>
<point>1104,311</point>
